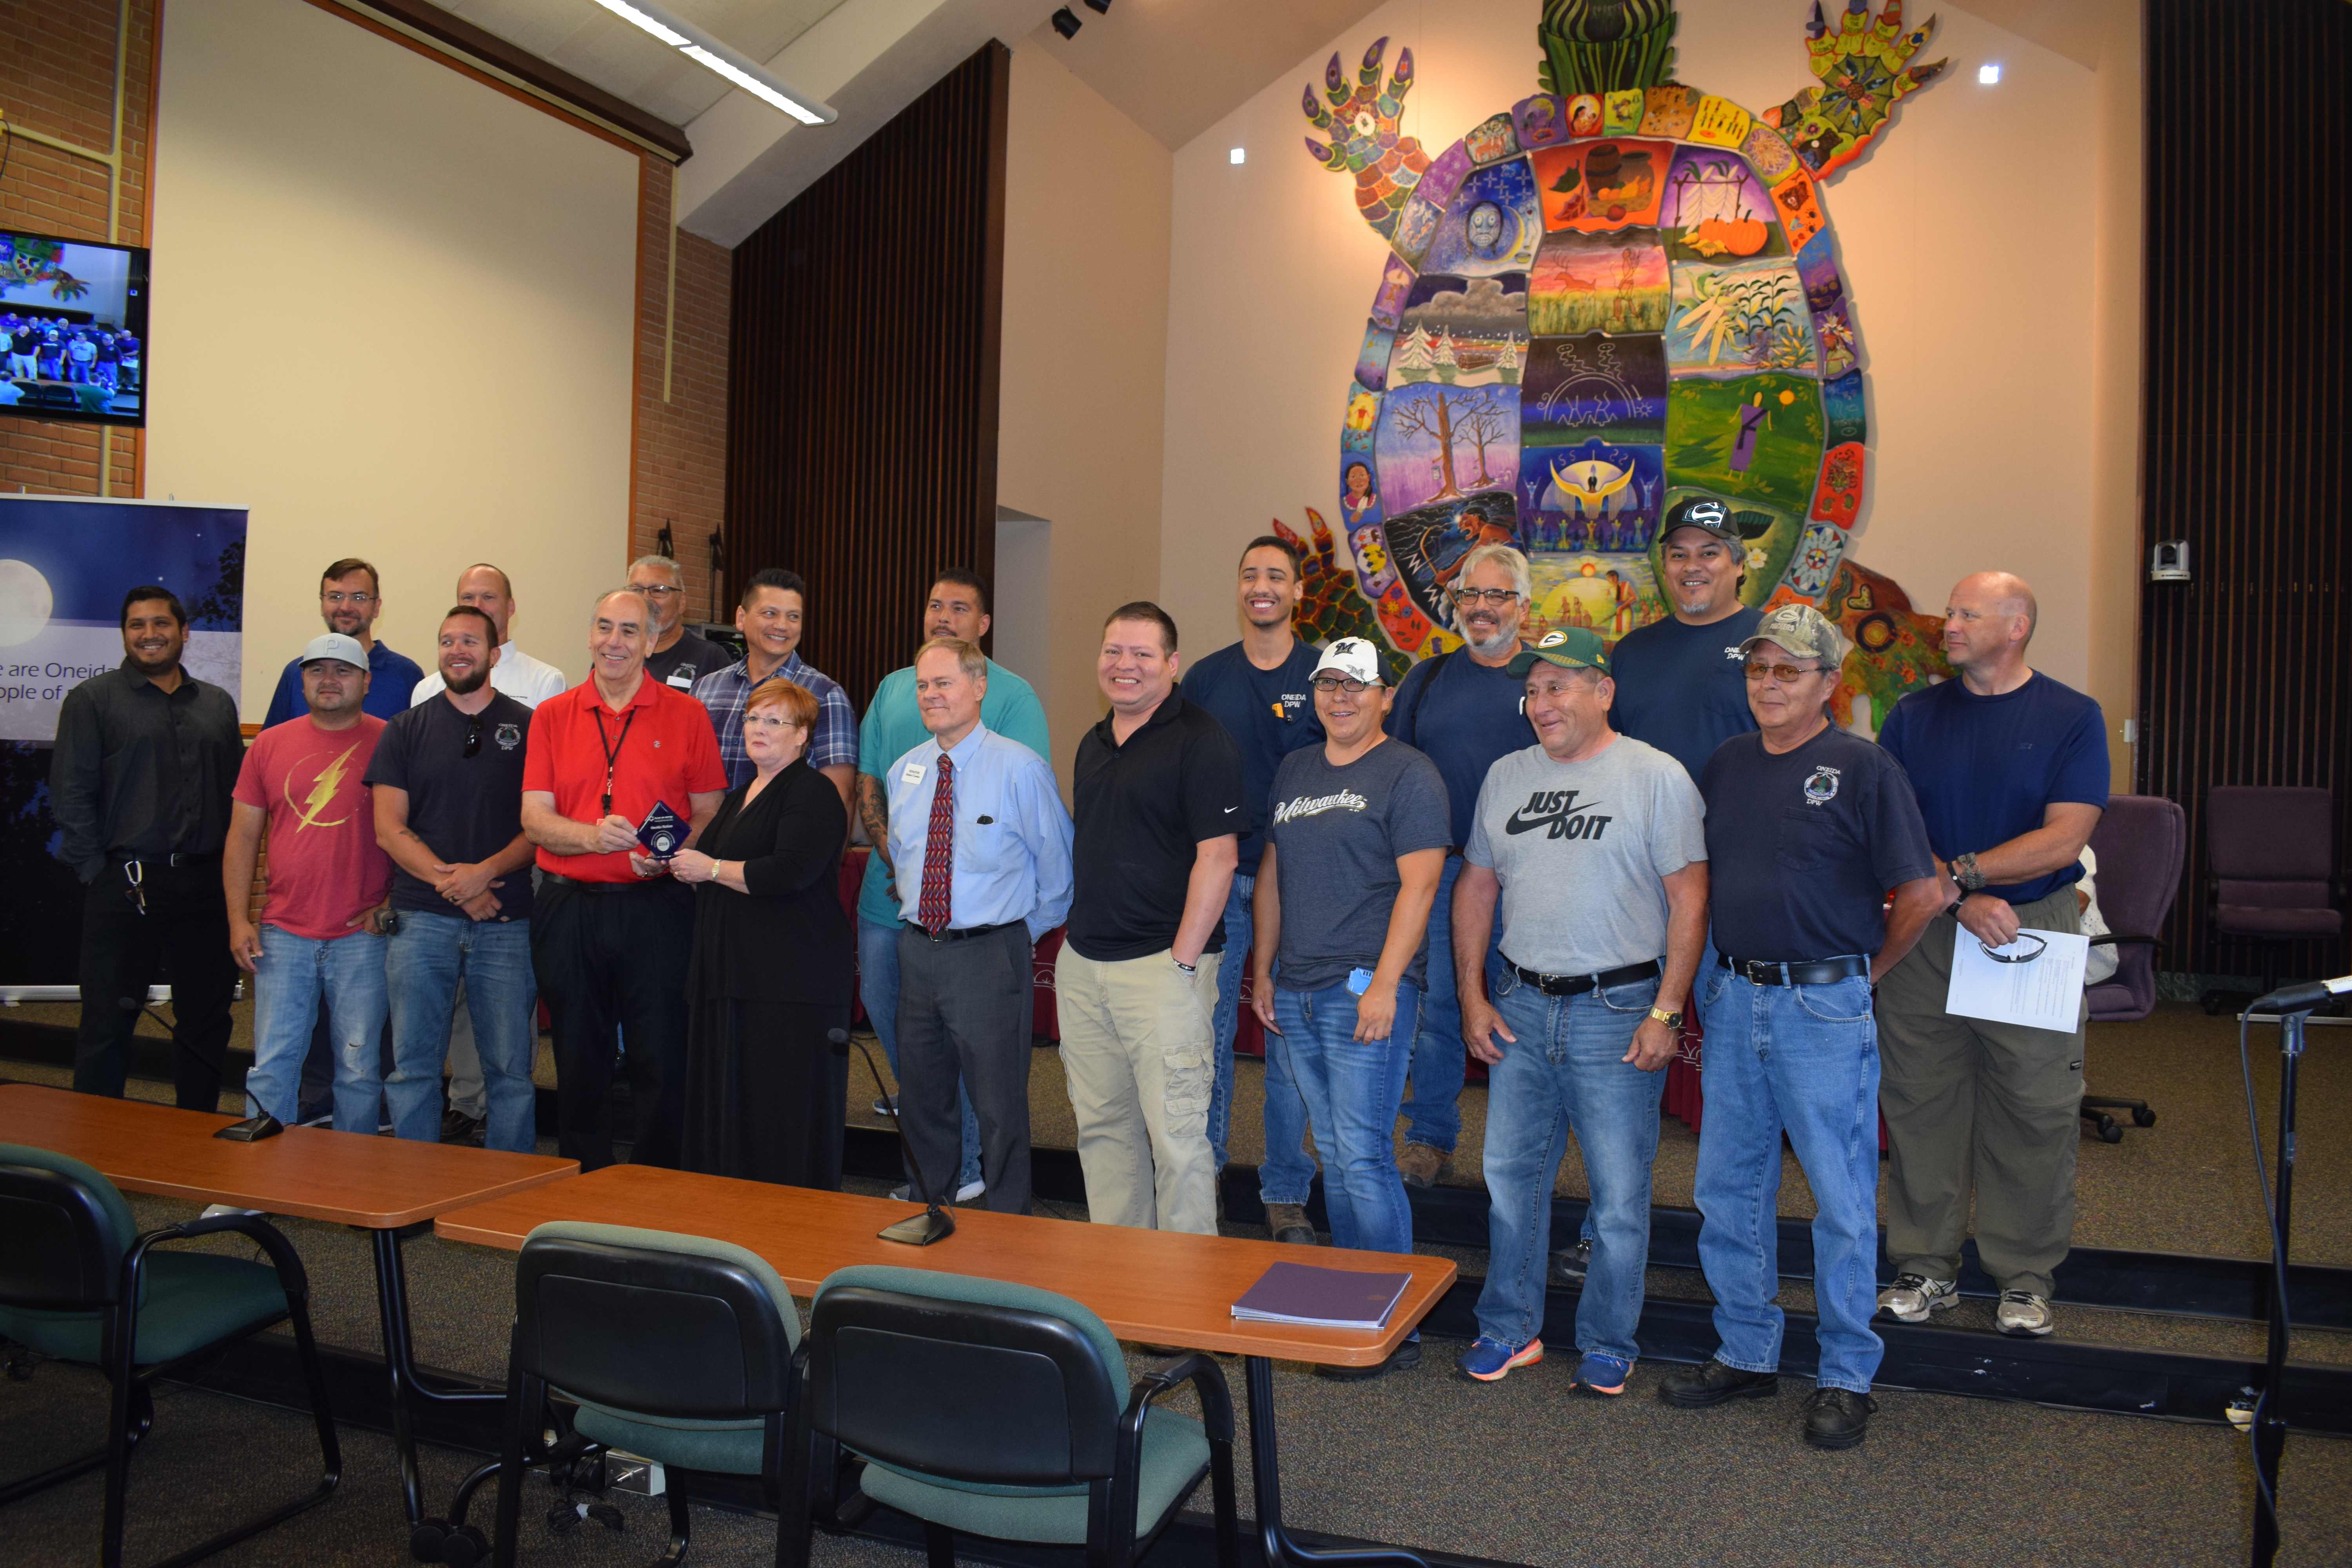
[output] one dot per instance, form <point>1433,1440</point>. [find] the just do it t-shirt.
<point>324,864</point>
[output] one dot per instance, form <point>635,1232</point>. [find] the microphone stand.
<point>2270,1410</point>
<point>934,1223</point>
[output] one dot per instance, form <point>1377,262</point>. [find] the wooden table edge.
<point>394,1219</point>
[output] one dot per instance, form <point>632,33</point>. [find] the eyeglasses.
<point>1327,684</point>
<point>2041,945</point>
<point>357,601</point>
<point>658,590</point>
<point>473,733</point>
<point>1786,674</point>
<point>1496,598</point>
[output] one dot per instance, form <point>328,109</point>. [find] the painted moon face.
<point>1484,226</point>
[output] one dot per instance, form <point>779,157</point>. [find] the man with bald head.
<point>527,680</point>
<point>2010,769</point>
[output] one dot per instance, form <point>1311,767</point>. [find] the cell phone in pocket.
<point>1359,981</point>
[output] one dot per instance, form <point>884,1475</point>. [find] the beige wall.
<point>2116,560</point>
<point>1974,243</point>
<point>1085,310</point>
<point>391,315</point>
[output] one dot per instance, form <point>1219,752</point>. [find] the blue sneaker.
<point>1599,1373</point>
<point>1488,1358</point>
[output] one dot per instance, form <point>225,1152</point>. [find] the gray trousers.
<point>1976,1106</point>
<point>467,1090</point>
<point>965,1007</point>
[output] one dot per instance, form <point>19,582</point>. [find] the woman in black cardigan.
<point>773,965</point>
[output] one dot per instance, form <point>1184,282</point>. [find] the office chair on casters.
<point>987,1408</point>
<point>78,1282</point>
<point>2273,877</point>
<point>2140,842</point>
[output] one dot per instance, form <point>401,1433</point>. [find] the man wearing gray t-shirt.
<point>1596,845</point>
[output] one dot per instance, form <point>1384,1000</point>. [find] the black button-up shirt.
<point>142,771</point>
<point>1143,809</point>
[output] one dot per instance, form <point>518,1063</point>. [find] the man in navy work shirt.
<point>1679,682</point>
<point>2010,769</point>
<point>1461,710</point>
<point>1807,827</point>
<point>1259,690</point>
<point>350,600</point>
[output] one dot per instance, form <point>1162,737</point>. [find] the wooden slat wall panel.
<point>862,403</point>
<point>2246,672</point>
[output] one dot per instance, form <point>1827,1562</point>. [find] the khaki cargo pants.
<point>1137,1055</point>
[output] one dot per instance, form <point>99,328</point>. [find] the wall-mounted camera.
<point>2167,560</point>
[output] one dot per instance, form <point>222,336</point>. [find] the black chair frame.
<point>132,1410</point>
<point>2097,1109</point>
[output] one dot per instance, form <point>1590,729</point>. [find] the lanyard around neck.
<point>611,750</point>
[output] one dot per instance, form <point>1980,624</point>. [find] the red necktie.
<point>935,907</point>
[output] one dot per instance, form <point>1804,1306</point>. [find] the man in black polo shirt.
<point>1160,812</point>
<point>448,810</point>
<point>146,756</point>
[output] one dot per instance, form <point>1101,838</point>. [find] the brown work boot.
<point>1287,1222</point>
<point>1424,1166</point>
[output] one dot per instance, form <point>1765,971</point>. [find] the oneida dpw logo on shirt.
<point>1823,787</point>
<point>1316,806</point>
<point>1556,811</point>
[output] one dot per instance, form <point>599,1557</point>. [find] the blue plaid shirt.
<point>724,691</point>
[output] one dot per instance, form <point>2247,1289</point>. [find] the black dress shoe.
<point>457,1127</point>
<point>1711,1383</point>
<point>1837,1418</point>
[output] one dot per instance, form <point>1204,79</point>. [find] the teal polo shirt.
<point>893,726</point>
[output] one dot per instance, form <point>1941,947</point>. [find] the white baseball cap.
<point>1353,658</point>
<point>335,645</point>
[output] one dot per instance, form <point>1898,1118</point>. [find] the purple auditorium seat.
<point>2141,841</point>
<point>2274,877</point>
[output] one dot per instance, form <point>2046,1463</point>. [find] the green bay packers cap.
<point>1804,631</point>
<point>1570,647</point>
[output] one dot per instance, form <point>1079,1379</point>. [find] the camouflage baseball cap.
<point>1570,647</point>
<point>1803,631</point>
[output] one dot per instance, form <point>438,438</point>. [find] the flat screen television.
<point>73,316</point>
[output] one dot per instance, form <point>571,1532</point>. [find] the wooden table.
<point>1160,1287</point>
<point>386,1186</point>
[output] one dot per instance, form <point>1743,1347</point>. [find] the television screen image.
<point>73,329</point>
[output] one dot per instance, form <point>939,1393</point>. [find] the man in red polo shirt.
<point>609,932</point>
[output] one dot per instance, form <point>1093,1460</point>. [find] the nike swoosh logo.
<point>1231,809</point>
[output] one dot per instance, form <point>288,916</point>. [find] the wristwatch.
<point>1673,1020</point>
<point>1965,873</point>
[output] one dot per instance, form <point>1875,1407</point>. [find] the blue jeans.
<point>1566,1071</point>
<point>1803,1059</point>
<point>1352,1089</point>
<point>287,981</point>
<point>1430,1117</point>
<point>427,956</point>
<point>878,987</point>
<point>1288,1172</point>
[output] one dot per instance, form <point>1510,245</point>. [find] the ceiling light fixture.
<point>1988,75</point>
<point>1100,7</point>
<point>1066,23</point>
<point>1238,155</point>
<point>705,50</point>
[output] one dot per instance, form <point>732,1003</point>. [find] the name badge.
<point>683,679</point>
<point>912,774</point>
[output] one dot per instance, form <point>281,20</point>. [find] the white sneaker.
<point>2024,1314</point>
<point>1913,1296</point>
<point>904,1193</point>
<point>219,1209</point>
<point>969,1190</point>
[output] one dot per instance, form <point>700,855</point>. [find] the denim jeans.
<point>1352,1089</point>
<point>428,955</point>
<point>1566,1071</point>
<point>287,981</point>
<point>1431,1116</point>
<point>878,987</point>
<point>1803,1058</point>
<point>1288,1172</point>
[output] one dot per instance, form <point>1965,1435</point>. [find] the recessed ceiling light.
<point>1238,156</point>
<point>704,50</point>
<point>1988,75</point>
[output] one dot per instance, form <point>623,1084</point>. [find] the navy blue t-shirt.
<point>1803,847</point>
<point>1270,713</point>
<point>392,682</point>
<point>1680,686</point>
<point>1468,717</point>
<point>1985,767</point>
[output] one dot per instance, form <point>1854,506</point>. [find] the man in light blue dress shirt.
<point>980,842</point>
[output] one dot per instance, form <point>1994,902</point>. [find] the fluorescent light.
<point>1238,156</point>
<point>1987,75</point>
<point>709,52</point>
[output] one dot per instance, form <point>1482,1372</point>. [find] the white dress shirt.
<point>527,680</point>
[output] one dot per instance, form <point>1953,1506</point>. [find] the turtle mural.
<point>1618,291</point>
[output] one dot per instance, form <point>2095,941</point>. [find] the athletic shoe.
<point>216,1210</point>
<point>1489,1359</point>
<point>1712,1383</point>
<point>885,1106</point>
<point>2023,1314</point>
<point>1837,1418</point>
<point>904,1193</point>
<point>457,1127</point>
<point>1603,1374</point>
<point>1569,1266</point>
<point>1287,1222</point>
<point>1913,1296</point>
<point>969,1190</point>
<point>1423,1164</point>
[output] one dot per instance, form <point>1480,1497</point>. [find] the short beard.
<point>1505,636</point>
<point>157,667</point>
<point>465,685</point>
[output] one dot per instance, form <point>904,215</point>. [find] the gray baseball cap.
<point>1803,631</point>
<point>335,645</point>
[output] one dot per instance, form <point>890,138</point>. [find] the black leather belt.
<point>1812,971</point>
<point>177,858</point>
<point>1578,985</point>
<point>958,933</point>
<point>580,884</point>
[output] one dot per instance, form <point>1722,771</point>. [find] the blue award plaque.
<point>663,832</point>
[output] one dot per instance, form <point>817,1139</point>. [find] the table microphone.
<point>2302,998</point>
<point>934,1223</point>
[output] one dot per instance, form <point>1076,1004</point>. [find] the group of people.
<point>1562,856</point>
<point>44,348</point>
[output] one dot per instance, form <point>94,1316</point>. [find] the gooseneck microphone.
<point>934,1223</point>
<point>2302,998</point>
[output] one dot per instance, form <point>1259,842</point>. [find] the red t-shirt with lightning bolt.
<point>324,866</point>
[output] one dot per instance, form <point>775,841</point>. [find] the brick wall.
<point>56,78</point>
<point>678,472</point>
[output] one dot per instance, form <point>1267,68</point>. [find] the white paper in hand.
<point>2042,993</point>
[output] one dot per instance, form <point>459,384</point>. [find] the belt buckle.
<point>1755,970</point>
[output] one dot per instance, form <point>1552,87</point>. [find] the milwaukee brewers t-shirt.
<point>1336,833</point>
<point>1582,849</point>
<point>324,866</point>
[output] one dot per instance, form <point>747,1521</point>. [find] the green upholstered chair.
<point>987,1408</point>
<point>78,1282</point>
<point>677,1349</point>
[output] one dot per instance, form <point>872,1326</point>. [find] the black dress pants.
<point>967,1007</point>
<point>184,935</point>
<point>614,954</point>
